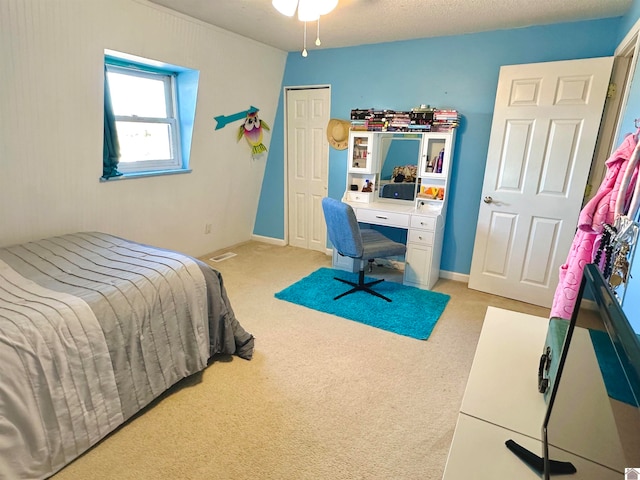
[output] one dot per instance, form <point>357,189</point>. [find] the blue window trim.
<point>156,173</point>
<point>186,98</point>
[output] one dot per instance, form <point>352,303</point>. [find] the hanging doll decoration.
<point>252,128</point>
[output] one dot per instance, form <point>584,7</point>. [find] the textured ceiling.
<point>359,22</point>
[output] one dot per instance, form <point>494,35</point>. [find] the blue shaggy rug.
<point>413,312</point>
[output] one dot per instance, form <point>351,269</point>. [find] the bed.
<point>93,327</point>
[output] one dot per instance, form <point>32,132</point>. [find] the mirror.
<point>628,290</point>
<point>628,123</point>
<point>399,156</point>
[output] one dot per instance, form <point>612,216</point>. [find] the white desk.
<point>425,230</point>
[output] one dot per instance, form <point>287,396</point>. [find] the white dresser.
<point>501,402</point>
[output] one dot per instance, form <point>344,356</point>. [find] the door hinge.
<point>611,91</point>
<point>587,190</point>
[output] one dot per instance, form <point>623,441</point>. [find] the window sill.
<point>131,176</point>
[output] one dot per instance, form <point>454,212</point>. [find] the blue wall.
<point>459,72</point>
<point>629,19</point>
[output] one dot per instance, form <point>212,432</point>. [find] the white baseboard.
<point>458,277</point>
<point>271,240</point>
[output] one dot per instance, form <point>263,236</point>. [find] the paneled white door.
<point>307,166</point>
<point>543,135</point>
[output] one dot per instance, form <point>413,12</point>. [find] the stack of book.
<point>421,118</point>
<point>360,125</point>
<point>360,113</point>
<point>399,122</point>
<point>445,120</point>
<point>359,118</point>
<point>378,120</point>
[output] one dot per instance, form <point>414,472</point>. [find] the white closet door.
<point>307,166</point>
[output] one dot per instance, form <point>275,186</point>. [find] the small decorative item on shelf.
<point>429,167</point>
<point>440,161</point>
<point>431,192</point>
<point>368,186</point>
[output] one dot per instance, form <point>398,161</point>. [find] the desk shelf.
<point>435,168</point>
<point>361,157</point>
<point>422,217</point>
<point>361,187</point>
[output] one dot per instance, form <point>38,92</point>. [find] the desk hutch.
<point>418,206</point>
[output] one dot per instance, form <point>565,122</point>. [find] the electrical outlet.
<point>207,229</point>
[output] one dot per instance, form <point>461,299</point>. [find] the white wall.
<point>51,111</point>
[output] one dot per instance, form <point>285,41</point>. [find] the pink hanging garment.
<point>599,210</point>
<point>628,195</point>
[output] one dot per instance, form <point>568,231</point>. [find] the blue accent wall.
<point>458,72</point>
<point>629,20</point>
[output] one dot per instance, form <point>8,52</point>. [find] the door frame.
<point>286,90</point>
<point>630,42</point>
<point>624,65</point>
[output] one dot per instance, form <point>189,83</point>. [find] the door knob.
<point>487,199</point>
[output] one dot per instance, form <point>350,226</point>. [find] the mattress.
<point>93,327</point>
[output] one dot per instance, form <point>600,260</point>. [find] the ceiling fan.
<point>308,11</point>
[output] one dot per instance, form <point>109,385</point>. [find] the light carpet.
<point>322,398</point>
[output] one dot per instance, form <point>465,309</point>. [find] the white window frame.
<point>169,79</point>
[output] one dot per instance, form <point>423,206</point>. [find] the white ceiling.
<point>359,22</point>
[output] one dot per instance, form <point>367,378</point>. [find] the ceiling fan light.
<point>326,6</point>
<point>308,10</point>
<point>285,7</point>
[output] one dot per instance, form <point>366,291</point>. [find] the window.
<point>143,106</point>
<point>153,127</point>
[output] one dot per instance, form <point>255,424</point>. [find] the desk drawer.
<point>420,236</point>
<point>361,197</point>
<point>380,217</point>
<point>423,222</point>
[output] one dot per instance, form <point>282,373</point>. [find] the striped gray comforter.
<point>93,328</point>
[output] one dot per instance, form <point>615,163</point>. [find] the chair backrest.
<point>342,227</point>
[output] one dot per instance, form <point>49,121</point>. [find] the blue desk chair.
<point>360,244</point>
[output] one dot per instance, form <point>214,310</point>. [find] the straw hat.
<point>338,133</point>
